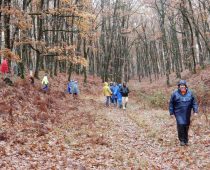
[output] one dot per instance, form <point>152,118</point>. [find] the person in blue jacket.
<point>181,104</point>
<point>119,96</point>
<point>114,94</point>
<point>111,86</point>
<point>69,86</point>
<point>75,90</point>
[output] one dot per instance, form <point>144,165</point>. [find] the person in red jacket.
<point>4,67</point>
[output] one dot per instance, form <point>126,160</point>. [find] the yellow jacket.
<point>45,80</point>
<point>106,90</point>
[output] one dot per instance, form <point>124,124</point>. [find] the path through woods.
<point>83,134</point>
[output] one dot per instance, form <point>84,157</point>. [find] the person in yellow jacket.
<point>45,82</point>
<point>107,92</point>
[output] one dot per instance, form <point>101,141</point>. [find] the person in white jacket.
<point>45,83</point>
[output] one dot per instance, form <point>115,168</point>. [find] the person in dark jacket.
<point>181,104</point>
<point>124,92</point>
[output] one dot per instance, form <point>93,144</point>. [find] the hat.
<point>182,82</point>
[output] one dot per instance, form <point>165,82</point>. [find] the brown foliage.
<point>9,54</point>
<point>54,131</point>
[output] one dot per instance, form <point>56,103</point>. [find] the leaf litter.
<point>55,131</point>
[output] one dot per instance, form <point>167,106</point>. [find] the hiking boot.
<point>182,144</point>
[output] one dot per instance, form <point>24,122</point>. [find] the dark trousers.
<point>108,98</point>
<point>45,88</point>
<point>112,99</point>
<point>183,132</point>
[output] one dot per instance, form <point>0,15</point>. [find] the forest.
<point>149,44</point>
<point>115,40</point>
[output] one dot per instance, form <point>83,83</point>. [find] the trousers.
<point>183,132</point>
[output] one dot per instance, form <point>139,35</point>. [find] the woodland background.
<point>151,44</point>
<point>115,40</point>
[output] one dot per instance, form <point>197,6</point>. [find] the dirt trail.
<point>138,138</point>
<point>57,132</point>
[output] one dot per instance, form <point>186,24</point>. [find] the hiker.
<point>107,93</point>
<point>75,89</point>
<point>119,96</point>
<point>69,86</point>
<point>111,86</point>
<point>31,78</point>
<point>181,104</point>
<point>15,71</point>
<point>114,93</point>
<point>124,92</point>
<point>4,68</point>
<point>45,82</point>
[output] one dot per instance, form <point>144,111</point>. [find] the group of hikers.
<point>72,86</point>
<point>181,104</point>
<point>117,94</point>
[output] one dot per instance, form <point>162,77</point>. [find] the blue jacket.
<point>69,86</point>
<point>182,105</point>
<point>119,95</point>
<point>75,88</point>
<point>115,90</point>
<point>111,88</point>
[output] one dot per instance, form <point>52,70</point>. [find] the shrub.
<point>157,99</point>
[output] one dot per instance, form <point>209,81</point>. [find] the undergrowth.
<point>157,99</point>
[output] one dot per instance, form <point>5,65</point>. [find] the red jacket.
<point>4,67</point>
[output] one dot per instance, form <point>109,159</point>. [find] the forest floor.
<point>55,131</point>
